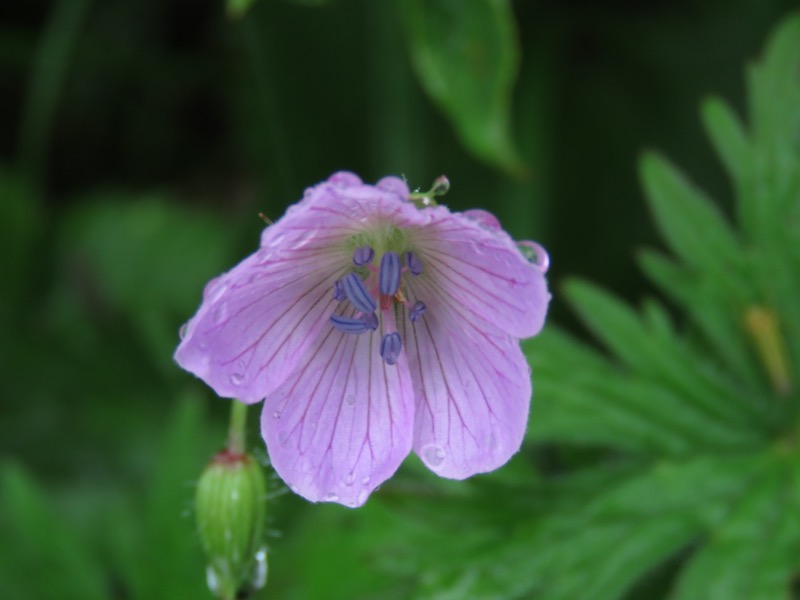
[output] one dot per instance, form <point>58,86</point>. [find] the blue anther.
<point>350,325</point>
<point>357,293</point>
<point>338,291</point>
<point>371,320</point>
<point>390,348</point>
<point>416,311</point>
<point>413,263</point>
<point>363,256</point>
<point>389,276</point>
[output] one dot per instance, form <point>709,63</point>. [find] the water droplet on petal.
<point>365,481</point>
<point>331,497</point>
<point>237,378</point>
<point>276,414</point>
<point>182,330</point>
<point>219,314</point>
<point>350,479</point>
<point>433,455</point>
<point>350,399</point>
<point>362,496</point>
<point>483,218</point>
<point>536,254</point>
<point>344,179</point>
<point>283,438</point>
<point>276,240</point>
<point>214,290</point>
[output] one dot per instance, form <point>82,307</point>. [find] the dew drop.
<point>535,254</point>
<point>182,330</point>
<point>276,414</point>
<point>365,481</point>
<point>219,314</point>
<point>237,378</point>
<point>276,240</point>
<point>331,497</point>
<point>433,455</point>
<point>483,218</point>
<point>350,399</point>
<point>214,290</point>
<point>259,575</point>
<point>350,479</point>
<point>283,438</point>
<point>362,496</point>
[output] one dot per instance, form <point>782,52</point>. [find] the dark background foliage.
<point>139,141</point>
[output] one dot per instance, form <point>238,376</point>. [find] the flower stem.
<point>237,433</point>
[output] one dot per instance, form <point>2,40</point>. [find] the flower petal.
<point>249,334</point>
<point>343,422</point>
<point>473,391</point>
<point>481,274</point>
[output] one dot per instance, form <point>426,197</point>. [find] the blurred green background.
<point>140,140</point>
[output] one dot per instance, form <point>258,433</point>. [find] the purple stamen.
<point>416,311</point>
<point>390,348</point>
<point>338,291</point>
<point>389,276</point>
<point>413,263</point>
<point>363,256</point>
<point>357,293</point>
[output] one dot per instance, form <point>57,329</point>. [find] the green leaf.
<point>688,221</point>
<point>729,138</point>
<point>751,556</point>
<point>599,544</point>
<point>774,90</point>
<point>466,56</point>
<point>581,400</point>
<point>711,312</point>
<point>770,211</point>
<point>662,358</point>
<point>41,556</point>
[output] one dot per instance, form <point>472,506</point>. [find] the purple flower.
<point>373,325</point>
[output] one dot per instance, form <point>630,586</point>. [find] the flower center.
<point>383,283</point>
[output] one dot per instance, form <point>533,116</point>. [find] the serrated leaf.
<point>602,550</point>
<point>598,548</point>
<point>664,359</point>
<point>752,555</point>
<point>580,399</point>
<point>710,310</point>
<point>689,222</point>
<point>770,211</point>
<point>774,90</point>
<point>466,57</point>
<point>729,138</point>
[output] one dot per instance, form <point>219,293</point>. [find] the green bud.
<point>230,508</point>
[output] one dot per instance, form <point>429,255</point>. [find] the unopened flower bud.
<point>230,510</point>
